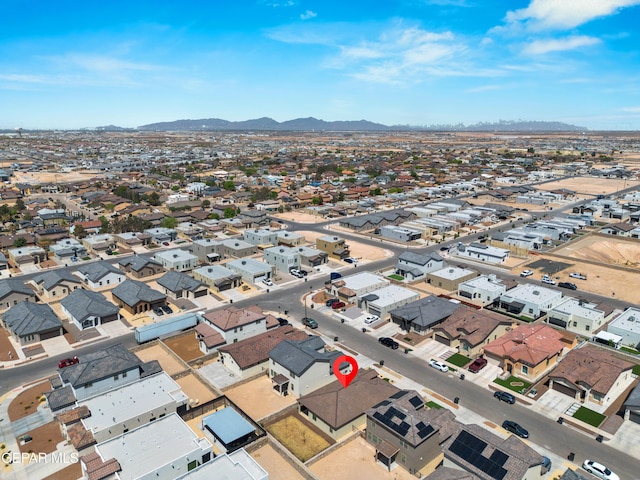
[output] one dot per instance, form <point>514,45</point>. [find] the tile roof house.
<point>593,376</point>
<point>469,330</point>
<point>14,291</point>
<point>422,315</point>
<point>337,410</point>
<point>136,297</point>
<point>100,275</point>
<point>56,283</point>
<point>140,266</point>
<point>236,324</point>
<point>32,322</point>
<point>530,350</point>
<point>250,356</point>
<point>88,309</point>
<point>180,285</point>
<point>301,367</point>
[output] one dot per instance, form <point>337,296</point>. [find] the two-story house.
<point>237,324</point>
<point>415,266</point>
<point>56,283</point>
<point>100,275</point>
<point>177,260</point>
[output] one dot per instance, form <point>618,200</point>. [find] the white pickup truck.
<point>579,276</point>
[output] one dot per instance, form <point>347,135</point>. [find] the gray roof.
<point>95,271</point>
<point>298,357</point>
<point>84,303</point>
<point>426,311</point>
<point>446,473</point>
<point>633,401</point>
<point>138,262</point>
<point>13,285</point>
<point>420,258</point>
<point>60,398</point>
<point>55,277</point>
<point>28,318</point>
<point>176,281</point>
<point>131,292</point>
<point>100,365</point>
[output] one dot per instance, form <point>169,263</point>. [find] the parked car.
<point>68,361</point>
<point>158,311</point>
<point>478,364</point>
<point>338,305</point>
<point>444,249</point>
<point>389,342</point>
<point>335,275</point>
<point>505,397</point>
<point>348,260</point>
<point>353,259</point>
<point>331,301</point>
<point>166,244</point>
<point>569,285</point>
<point>309,322</point>
<point>438,365</point>
<point>296,273</point>
<point>526,273</point>
<point>267,282</point>
<point>515,428</point>
<point>599,470</point>
<point>283,321</point>
<point>548,280</point>
<point>166,309</point>
<point>371,318</point>
<point>579,276</point>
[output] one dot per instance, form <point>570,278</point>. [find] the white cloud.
<point>307,15</point>
<point>540,47</point>
<point>565,14</point>
<point>631,109</point>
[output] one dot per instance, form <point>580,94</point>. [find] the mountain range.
<point>314,124</point>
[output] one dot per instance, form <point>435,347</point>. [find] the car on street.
<point>569,285</point>
<point>337,305</point>
<point>68,362</point>
<point>477,365</point>
<point>166,309</point>
<point>438,365</point>
<point>526,273</point>
<point>599,470</point>
<point>166,244</point>
<point>548,280</point>
<point>309,322</point>
<point>389,342</point>
<point>505,397</point>
<point>371,318</point>
<point>515,428</point>
<point>267,282</point>
<point>444,249</point>
<point>579,276</point>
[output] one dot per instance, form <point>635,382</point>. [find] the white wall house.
<point>484,253</point>
<point>482,290</point>
<point>530,300</point>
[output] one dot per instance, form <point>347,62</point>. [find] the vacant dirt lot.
<point>7,352</point>
<point>590,185</point>
<point>611,251</point>
<point>27,401</point>
<point>185,346</point>
<point>358,250</point>
<point>45,439</point>
<point>300,217</point>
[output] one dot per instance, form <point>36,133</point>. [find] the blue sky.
<point>69,64</point>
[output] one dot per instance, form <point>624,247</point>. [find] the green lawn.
<point>632,351</point>
<point>399,278</point>
<point>636,370</point>
<point>513,383</point>
<point>434,405</point>
<point>458,360</point>
<point>589,416</point>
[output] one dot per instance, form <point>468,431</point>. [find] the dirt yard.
<point>168,363</point>
<point>71,472</point>
<point>359,250</point>
<point>185,346</point>
<point>298,436</point>
<point>27,401</point>
<point>7,352</point>
<point>299,217</point>
<point>45,439</point>
<point>277,466</point>
<point>258,399</point>
<point>611,251</point>
<point>193,387</point>
<point>55,177</point>
<point>590,185</point>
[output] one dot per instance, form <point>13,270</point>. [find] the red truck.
<point>68,361</point>
<point>478,364</point>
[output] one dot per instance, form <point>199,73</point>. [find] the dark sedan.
<point>515,428</point>
<point>389,342</point>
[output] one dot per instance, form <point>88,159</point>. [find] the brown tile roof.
<point>255,350</point>
<point>209,335</point>
<point>529,344</point>
<point>472,326</point>
<point>80,437</point>
<point>72,416</point>
<point>232,317</point>
<point>337,405</point>
<point>97,469</point>
<point>591,366</point>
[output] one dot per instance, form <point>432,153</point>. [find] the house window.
<point>403,459</point>
<point>100,283</point>
<point>597,396</point>
<point>531,310</point>
<point>116,376</point>
<point>192,465</point>
<point>124,374</point>
<point>374,439</point>
<point>587,327</point>
<point>575,324</point>
<point>525,370</point>
<point>88,385</point>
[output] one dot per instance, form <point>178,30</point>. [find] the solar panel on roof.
<point>499,457</point>
<point>470,448</point>
<point>426,431</point>
<point>416,401</point>
<point>399,394</point>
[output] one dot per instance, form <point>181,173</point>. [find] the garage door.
<point>441,339</point>
<point>558,387</point>
<point>52,334</point>
<point>634,417</point>
<point>201,293</point>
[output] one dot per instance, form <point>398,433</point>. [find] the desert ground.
<point>358,250</point>
<point>610,251</point>
<point>591,185</point>
<point>55,177</point>
<point>299,217</point>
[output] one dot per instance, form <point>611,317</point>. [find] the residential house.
<point>352,286</point>
<point>237,324</point>
<point>290,239</point>
<point>180,285</point>
<point>529,350</point>
<point>250,356</point>
<point>632,405</point>
<point>137,297</point>
<point>380,302</point>
<point>422,315</point>
<point>14,291</point>
<point>483,290</point>
<point>578,316</point>
<point>627,325</point>
<point>140,266</point>
<point>68,248</point>
<point>337,411</point>
<point>400,234</point>
<point>236,248</point>
<point>206,249</point>
<point>484,253</point>
<point>415,266</point>
<point>282,258</point>
<point>177,259</point>
<point>592,376</point>
<point>100,275</point>
<point>132,239</point>
<point>251,270</point>
<point>468,330</point>
<point>27,255</point>
<point>99,243</point>
<point>530,300</point>
<point>335,246</point>
<point>301,367</point>
<point>32,322</point>
<point>217,277</point>
<point>261,237</point>
<point>311,257</point>
<point>56,283</point>
<point>161,235</point>
<point>449,278</point>
<point>87,309</point>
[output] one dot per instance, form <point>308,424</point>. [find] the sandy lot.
<point>611,251</point>
<point>276,464</point>
<point>300,217</point>
<point>71,472</point>
<point>358,250</point>
<point>590,185</point>
<point>45,438</point>
<point>193,387</point>
<point>27,398</point>
<point>56,177</point>
<point>167,362</point>
<point>355,460</point>
<point>258,399</point>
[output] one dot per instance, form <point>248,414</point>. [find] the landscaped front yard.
<point>303,442</point>
<point>458,360</point>
<point>514,384</point>
<point>589,416</point>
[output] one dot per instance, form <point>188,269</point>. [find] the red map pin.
<point>345,379</point>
